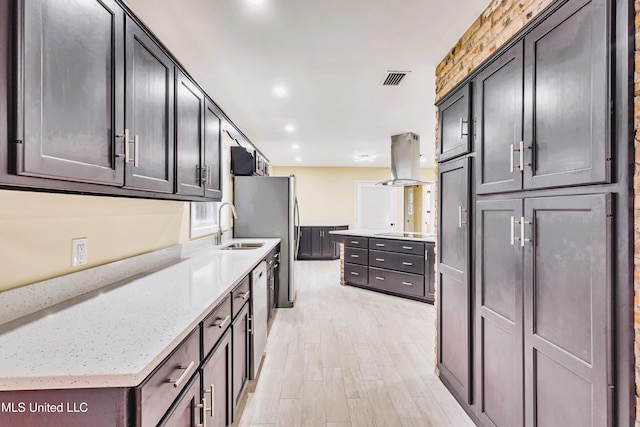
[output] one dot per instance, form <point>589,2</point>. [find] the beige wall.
<point>36,231</point>
<point>327,193</point>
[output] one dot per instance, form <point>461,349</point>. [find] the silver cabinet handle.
<point>459,216</point>
<point>522,163</point>
<point>380,259</point>
<point>211,410</point>
<point>355,256</point>
<point>245,295</point>
<point>355,242</point>
<point>379,278</point>
<point>136,150</point>
<point>511,150</point>
<point>221,324</point>
<point>354,273</point>
<point>187,369</point>
<point>250,324</point>
<point>407,283</point>
<point>380,244</point>
<point>127,149</point>
<point>406,263</point>
<point>462,122</point>
<point>522,238</point>
<point>202,405</point>
<point>407,247</point>
<point>513,223</point>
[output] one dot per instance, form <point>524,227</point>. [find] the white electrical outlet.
<point>80,252</point>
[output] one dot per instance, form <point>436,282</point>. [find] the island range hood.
<point>405,160</point>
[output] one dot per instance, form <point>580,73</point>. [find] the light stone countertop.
<point>116,337</point>
<point>383,235</point>
<point>324,223</point>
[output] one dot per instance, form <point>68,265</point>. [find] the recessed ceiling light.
<point>289,128</point>
<point>295,146</point>
<point>422,159</point>
<point>279,91</point>
<point>298,159</point>
<point>364,157</point>
<point>256,2</point>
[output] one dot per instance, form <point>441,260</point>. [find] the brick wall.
<point>636,208</point>
<point>500,20</point>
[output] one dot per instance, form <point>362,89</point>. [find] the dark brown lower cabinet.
<point>241,336</point>
<point>216,384</point>
<point>543,297</point>
<point>186,412</point>
<point>317,244</point>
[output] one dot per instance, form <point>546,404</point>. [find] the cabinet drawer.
<point>397,261</point>
<point>395,281</point>
<point>239,296</point>
<point>354,273</point>
<point>356,242</point>
<point>215,324</point>
<point>162,387</point>
<point>355,256</point>
<point>403,246</point>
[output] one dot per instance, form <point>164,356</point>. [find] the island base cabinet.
<point>73,407</point>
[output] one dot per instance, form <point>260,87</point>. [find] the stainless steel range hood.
<point>405,160</point>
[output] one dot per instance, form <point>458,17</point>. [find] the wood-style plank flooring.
<point>345,356</point>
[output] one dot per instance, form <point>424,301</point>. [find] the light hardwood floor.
<point>345,356</point>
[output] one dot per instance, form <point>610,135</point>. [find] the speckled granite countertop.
<point>116,337</point>
<point>384,235</point>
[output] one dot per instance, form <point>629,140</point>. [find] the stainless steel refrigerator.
<point>267,207</point>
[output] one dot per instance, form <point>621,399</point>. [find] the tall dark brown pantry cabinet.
<point>534,319</point>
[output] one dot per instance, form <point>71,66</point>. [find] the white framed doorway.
<point>428,206</point>
<point>375,206</point>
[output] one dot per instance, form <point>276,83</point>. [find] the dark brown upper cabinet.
<point>149,92</point>
<point>212,150</point>
<point>566,106</point>
<point>190,170</point>
<point>498,97</point>
<point>71,97</point>
<point>453,125</point>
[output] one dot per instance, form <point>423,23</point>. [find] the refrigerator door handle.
<point>296,220</point>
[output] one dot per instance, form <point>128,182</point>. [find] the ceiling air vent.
<point>394,78</point>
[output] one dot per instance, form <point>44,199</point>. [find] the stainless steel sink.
<point>242,246</point>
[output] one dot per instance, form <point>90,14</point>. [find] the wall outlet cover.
<point>80,252</point>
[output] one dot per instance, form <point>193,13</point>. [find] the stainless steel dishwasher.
<point>258,317</point>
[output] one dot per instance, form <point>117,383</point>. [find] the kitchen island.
<point>395,263</point>
<point>138,352</point>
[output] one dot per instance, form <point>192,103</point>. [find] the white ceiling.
<point>331,56</point>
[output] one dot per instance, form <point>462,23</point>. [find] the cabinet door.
<point>216,384</point>
<point>186,411</point>
<point>498,361</point>
<point>566,104</point>
<point>317,242</point>
<point>71,101</point>
<point>149,112</point>
<point>189,134</point>
<point>567,310</point>
<point>429,279</point>
<point>212,151</point>
<point>498,116</point>
<point>240,356</point>
<point>328,247</point>
<point>304,247</point>
<point>454,295</point>
<point>453,125</point>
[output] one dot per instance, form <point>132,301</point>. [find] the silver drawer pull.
<point>224,321</point>
<point>380,278</point>
<point>407,283</point>
<point>355,256</point>
<point>355,274</point>
<point>379,244</point>
<point>185,374</point>
<point>211,410</point>
<point>355,242</point>
<point>380,259</point>
<point>407,263</point>
<point>245,295</point>
<point>407,247</point>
